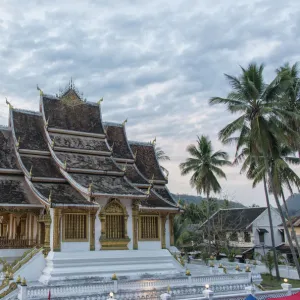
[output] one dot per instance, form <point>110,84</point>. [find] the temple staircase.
<point>132,263</point>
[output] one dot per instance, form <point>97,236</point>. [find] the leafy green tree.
<point>263,120</point>
<point>205,166</point>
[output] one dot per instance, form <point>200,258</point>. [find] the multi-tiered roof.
<point>65,156</point>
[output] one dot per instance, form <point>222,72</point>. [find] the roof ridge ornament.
<point>125,122</point>
<point>8,103</point>
<point>99,102</point>
<point>50,198</point>
<point>47,123</point>
<point>53,143</point>
<point>18,143</point>
<point>65,164</point>
<point>38,88</point>
<point>30,172</point>
<point>90,189</point>
<point>153,142</point>
<point>135,154</point>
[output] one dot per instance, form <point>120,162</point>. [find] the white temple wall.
<point>149,245</point>
<point>168,233</point>
<point>128,204</point>
<point>75,246</point>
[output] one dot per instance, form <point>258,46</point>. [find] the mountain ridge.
<point>198,199</point>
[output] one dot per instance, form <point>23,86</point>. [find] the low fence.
<point>17,243</point>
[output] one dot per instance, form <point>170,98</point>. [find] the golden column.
<point>171,227</point>
<point>47,221</point>
<point>135,220</point>
<point>56,229</point>
<point>92,230</point>
<point>163,219</point>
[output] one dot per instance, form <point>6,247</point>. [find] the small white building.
<point>247,229</point>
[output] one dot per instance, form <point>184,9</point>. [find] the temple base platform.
<point>131,263</point>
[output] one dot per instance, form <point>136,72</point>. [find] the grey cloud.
<point>156,63</point>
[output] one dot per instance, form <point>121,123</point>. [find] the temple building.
<point>75,185</point>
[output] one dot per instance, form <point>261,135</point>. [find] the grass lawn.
<point>270,283</point>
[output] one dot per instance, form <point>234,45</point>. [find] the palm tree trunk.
<point>208,224</point>
<point>290,242</point>
<point>272,231</point>
<point>291,223</point>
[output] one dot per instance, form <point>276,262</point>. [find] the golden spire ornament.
<point>47,123</point>
<point>148,191</point>
<point>65,164</point>
<point>99,102</point>
<point>38,88</point>
<point>125,122</point>
<point>30,172</point>
<point>154,141</point>
<point>8,103</point>
<point>50,197</point>
<point>53,143</point>
<point>18,143</point>
<point>90,189</point>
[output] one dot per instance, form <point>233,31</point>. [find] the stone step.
<point>75,265</point>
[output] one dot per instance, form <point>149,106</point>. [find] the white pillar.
<point>287,287</point>
<point>208,294</point>
<point>22,295</point>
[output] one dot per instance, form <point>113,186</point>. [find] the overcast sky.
<point>155,62</point>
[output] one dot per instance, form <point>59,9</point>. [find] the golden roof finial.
<point>152,179</point>
<point>30,172</point>
<point>125,122</point>
<point>134,154</point>
<point>18,143</point>
<point>23,283</point>
<point>38,88</point>
<point>99,102</point>
<point>154,141</point>
<point>18,281</point>
<point>53,143</point>
<point>47,123</point>
<point>124,167</point>
<point>50,197</point>
<point>90,188</point>
<point>148,191</point>
<point>65,164</point>
<point>8,103</point>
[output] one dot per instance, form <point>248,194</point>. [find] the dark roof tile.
<point>84,117</point>
<point>236,218</point>
<point>105,184</point>
<point>77,142</point>
<point>146,161</point>
<point>41,166</point>
<point>88,162</point>
<point>164,192</point>
<point>13,190</point>
<point>8,158</point>
<point>133,175</point>
<point>116,137</point>
<point>29,127</point>
<point>61,193</point>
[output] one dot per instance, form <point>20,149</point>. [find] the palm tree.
<point>261,110</point>
<point>161,156</point>
<point>291,96</point>
<point>250,167</point>
<point>204,164</point>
